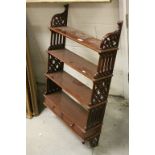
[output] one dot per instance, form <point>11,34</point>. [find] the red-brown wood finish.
<point>72,86</point>
<point>79,37</point>
<point>68,107</point>
<point>83,66</point>
<point>72,114</point>
<point>80,107</point>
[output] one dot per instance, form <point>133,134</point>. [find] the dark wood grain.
<point>81,65</point>
<point>79,37</point>
<point>68,107</point>
<point>85,115</point>
<point>71,85</point>
<point>71,113</point>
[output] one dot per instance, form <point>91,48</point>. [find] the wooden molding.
<point>51,1</point>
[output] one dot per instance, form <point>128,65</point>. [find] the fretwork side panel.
<point>100,91</point>
<point>54,64</point>
<point>57,40</point>
<point>60,19</point>
<point>106,64</point>
<point>111,40</point>
<point>96,116</point>
<point>51,87</point>
<point>84,116</point>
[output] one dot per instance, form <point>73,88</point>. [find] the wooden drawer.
<point>56,108</point>
<point>72,125</point>
<point>59,110</point>
<point>52,106</point>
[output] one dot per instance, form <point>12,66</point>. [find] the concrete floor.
<point>47,135</point>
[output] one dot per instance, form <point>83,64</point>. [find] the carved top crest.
<point>60,19</point>
<point>111,40</point>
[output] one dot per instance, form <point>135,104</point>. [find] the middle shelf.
<point>83,66</point>
<point>72,86</point>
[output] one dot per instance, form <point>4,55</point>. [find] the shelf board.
<point>81,65</point>
<point>79,37</point>
<point>72,86</point>
<point>68,107</point>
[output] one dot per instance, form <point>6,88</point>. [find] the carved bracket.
<point>57,40</point>
<point>111,40</point>
<point>60,19</point>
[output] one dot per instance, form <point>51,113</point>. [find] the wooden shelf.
<point>83,66</point>
<point>84,115</point>
<point>79,37</point>
<point>72,86</point>
<point>65,105</point>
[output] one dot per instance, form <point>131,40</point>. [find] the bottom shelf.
<point>71,113</point>
<point>68,107</point>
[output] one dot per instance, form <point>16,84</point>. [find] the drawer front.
<point>81,132</point>
<point>53,107</point>
<point>56,109</point>
<point>72,125</point>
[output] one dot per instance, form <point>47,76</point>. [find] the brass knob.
<point>71,125</point>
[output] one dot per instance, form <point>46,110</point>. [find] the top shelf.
<point>79,37</point>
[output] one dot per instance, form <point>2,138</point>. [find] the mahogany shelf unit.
<point>80,107</point>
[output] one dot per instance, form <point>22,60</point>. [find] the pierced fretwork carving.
<point>60,19</point>
<point>111,40</point>
<point>96,116</point>
<point>100,91</point>
<point>57,40</point>
<point>87,125</point>
<point>54,64</point>
<point>51,87</point>
<point>106,64</point>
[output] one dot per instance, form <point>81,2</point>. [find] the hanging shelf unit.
<point>85,115</point>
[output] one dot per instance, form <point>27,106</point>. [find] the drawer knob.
<point>71,125</point>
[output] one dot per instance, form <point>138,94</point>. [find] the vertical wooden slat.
<point>54,38</point>
<point>111,59</point>
<point>101,65</point>
<point>108,64</point>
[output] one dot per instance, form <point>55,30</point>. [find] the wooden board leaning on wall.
<point>39,1</point>
<point>31,88</point>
